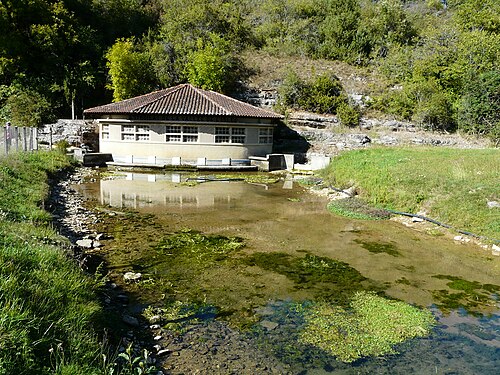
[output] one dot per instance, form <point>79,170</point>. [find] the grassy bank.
<point>450,185</point>
<point>47,305</point>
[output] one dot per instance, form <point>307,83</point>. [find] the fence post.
<point>25,144</point>
<point>5,139</point>
<point>50,137</point>
<point>16,137</point>
<point>35,138</point>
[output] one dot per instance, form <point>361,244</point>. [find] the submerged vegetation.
<point>452,186</point>
<point>198,248</point>
<point>465,294</point>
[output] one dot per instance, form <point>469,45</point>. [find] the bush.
<point>349,114</point>
<point>323,95</point>
<point>479,107</point>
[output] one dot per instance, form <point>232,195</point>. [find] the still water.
<point>458,282</point>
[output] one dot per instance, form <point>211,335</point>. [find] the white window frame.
<point>227,134</point>
<point>266,136</point>
<point>182,134</point>
<point>138,133</point>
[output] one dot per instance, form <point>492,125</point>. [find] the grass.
<point>453,186</point>
<point>47,305</point>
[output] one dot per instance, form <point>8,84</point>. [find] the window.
<point>128,137</point>
<point>229,135</point>
<point>266,135</point>
<point>177,133</point>
<point>135,133</point>
<point>105,131</point>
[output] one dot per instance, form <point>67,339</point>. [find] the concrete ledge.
<point>92,159</point>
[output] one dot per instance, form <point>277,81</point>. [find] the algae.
<point>355,208</point>
<point>327,278</point>
<point>470,295</point>
<point>379,247</point>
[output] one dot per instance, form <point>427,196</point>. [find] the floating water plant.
<point>371,326</point>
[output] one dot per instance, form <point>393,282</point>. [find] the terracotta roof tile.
<point>183,99</point>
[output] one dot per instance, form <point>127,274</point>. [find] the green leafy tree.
<point>209,66</point>
<point>323,95</point>
<point>129,70</point>
<point>349,114</point>
<point>479,107</point>
<point>339,30</point>
<point>27,108</point>
<point>288,26</point>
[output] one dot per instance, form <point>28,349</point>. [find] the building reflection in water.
<point>139,190</point>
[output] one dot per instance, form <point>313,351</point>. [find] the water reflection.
<point>153,190</point>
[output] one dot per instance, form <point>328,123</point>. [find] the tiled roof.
<point>183,99</point>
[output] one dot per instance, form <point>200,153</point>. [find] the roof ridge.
<point>203,93</point>
<point>166,92</point>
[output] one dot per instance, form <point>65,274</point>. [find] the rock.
<point>132,276</point>
<point>155,326</point>
<point>85,243</point>
<point>493,204</point>
<point>155,319</point>
<point>96,244</point>
<point>458,238</point>
<point>267,324</point>
<point>157,338</point>
<point>130,320</point>
<point>417,220</point>
<point>351,191</point>
<point>163,352</point>
<point>495,247</point>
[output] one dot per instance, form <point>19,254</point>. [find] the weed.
<point>356,209</point>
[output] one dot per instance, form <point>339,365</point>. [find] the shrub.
<point>323,95</point>
<point>349,114</point>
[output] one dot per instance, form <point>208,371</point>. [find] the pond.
<point>277,249</point>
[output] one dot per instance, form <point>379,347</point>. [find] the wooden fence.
<point>13,138</point>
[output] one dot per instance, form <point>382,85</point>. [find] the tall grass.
<point>451,185</point>
<point>47,305</point>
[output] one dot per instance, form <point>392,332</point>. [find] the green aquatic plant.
<point>370,326</point>
<point>198,247</point>
<point>379,247</point>
<point>330,279</point>
<point>469,295</point>
<point>177,315</point>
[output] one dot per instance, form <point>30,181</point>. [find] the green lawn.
<point>450,185</point>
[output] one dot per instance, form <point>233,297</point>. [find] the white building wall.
<point>156,148</point>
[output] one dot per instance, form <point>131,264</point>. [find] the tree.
<point>129,70</point>
<point>479,107</point>
<point>209,66</point>
<point>27,108</point>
